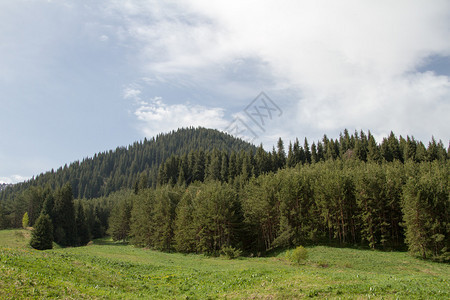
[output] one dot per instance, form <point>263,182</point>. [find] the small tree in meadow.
<point>42,234</point>
<point>25,220</point>
<point>298,255</point>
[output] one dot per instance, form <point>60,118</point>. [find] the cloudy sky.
<point>81,77</point>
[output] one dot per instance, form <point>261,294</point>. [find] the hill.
<point>118,271</point>
<point>111,171</point>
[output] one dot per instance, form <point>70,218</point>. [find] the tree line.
<point>347,203</point>
<point>346,191</point>
<point>71,222</point>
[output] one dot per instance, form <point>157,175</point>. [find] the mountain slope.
<point>110,171</point>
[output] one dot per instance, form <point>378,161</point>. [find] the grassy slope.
<point>107,270</point>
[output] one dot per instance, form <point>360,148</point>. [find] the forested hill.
<point>111,171</point>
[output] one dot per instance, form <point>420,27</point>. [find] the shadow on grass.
<point>107,241</point>
<point>279,250</point>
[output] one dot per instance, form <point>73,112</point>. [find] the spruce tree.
<point>42,234</point>
<point>280,154</point>
<point>307,152</point>
<point>119,221</point>
<point>373,152</point>
<point>82,228</point>
<point>64,217</point>
<point>314,156</point>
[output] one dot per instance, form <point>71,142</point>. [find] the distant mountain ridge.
<point>113,170</point>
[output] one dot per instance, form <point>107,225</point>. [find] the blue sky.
<point>81,77</point>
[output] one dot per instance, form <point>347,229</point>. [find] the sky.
<point>82,77</point>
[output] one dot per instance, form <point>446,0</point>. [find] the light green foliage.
<point>231,252</point>
<point>298,255</point>
<point>25,220</point>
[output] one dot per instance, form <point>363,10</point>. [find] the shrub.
<point>298,255</point>
<point>231,252</point>
<point>25,220</point>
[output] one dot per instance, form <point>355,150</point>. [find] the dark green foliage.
<point>64,217</point>
<point>3,218</point>
<point>260,206</point>
<point>119,221</point>
<point>378,199</point>
<point>216,217</point>
<point>153,216</point>
<point>166,201</point>
<point>184,227</point>
<point>42,234</point>
<point>82,229</point>
<point>34,197</point>
<point>114,170</point>
<point>335,199</point>
<point>346,191</point>
<point>426,208</point>
<point>47,207</point>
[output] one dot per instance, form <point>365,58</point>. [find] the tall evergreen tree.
<point>373,152</point>
<point>314,156</point>
<point>280,154</point>
<point>82,228</point>
<point>42,234</point>
<point>64,223</point>
<point>307,151</point>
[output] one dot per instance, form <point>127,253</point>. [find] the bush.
<point>298,255</point>
<point>231,252</point>
<point>25,220</point>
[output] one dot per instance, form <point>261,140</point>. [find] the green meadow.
<point>108,270</point>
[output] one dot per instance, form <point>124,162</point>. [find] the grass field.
<point>108,270</point>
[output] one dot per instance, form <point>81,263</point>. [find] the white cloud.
<point>131,93</point>
<point>155,116</point>
<point>104,38</point>
<point>13,179</point>
<point>354,62</point>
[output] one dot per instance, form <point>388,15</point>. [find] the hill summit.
<point>112,170</point>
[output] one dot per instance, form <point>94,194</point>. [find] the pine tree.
<point>119,221</point>
<point>314,157</point>
<point>47,207</point>
<point>307,152</point>
<point>373,153</point>
<point>280,154</point>
<point>426,211</point>
<point>224,168</point>
<point>213,172</point>
<point>42,234</point>
<point>290,162</point>
<point>64,217</point>
<point>82,228</point>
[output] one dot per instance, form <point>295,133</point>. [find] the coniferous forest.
<point>200,190</point>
